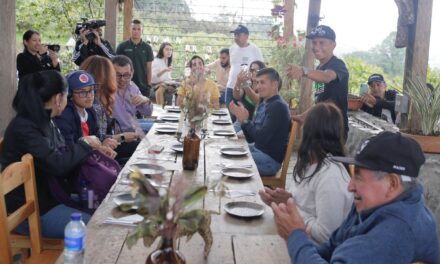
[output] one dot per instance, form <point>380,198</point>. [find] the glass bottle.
<point>166,254</point>
<point>191,146</point>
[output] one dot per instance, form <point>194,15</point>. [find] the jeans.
<point>54,221</point>
<point>222,98</point>
<point>265,164</point>
<point>228,98</point>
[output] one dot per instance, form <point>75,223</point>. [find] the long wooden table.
<point>236,240</point>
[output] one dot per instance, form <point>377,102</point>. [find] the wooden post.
<point>128,16</point>
<point>288,19</point>
<point>111,17</point>
<point>417,53</point>
<point>8,69</point>
<point>306,84</point>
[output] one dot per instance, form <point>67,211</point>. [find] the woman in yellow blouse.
<point>197,80</point>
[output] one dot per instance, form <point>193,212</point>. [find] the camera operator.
<point>89,45</point>
<point>36,56</point>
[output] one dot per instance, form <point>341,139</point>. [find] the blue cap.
<point>240,29</point>
<point>75,216</point>
<point>79,79</point>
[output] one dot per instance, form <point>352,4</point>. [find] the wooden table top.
<point>236,240</point>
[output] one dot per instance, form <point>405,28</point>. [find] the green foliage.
<point>433,76</point>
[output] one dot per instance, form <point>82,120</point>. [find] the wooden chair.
<point>279,180</point>
<point>15,175</point>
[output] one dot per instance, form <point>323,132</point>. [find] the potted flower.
<point>426,103</point>
<point>166,215</point>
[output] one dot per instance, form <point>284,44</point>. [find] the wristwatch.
<point>245,122</point>
<point>305,71</point>
<point>122,139</point>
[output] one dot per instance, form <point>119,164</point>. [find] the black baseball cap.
<point>240,29</point>
<point>375,77</point>
<point>388,152</point>
<point>322,31</point>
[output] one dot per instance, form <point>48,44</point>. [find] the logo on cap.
<point>364,144</point>
<point>83,78</point>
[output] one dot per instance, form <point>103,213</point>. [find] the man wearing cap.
<point>331,75</point>
<point>379,101</point>
<point>78,119</point>
<point>389,222</point>
<point>141,56</point>
<point>241,54</point>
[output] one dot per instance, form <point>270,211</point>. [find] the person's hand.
<point>82,35</point>
<point>93,142</point>
<point>269,196</point>
<point>287,218</point>
<point>242,77</point>
<point>131,136</point>
<point>53,57</point>
<point>239,111</point>
<point>43,49</point>
<point>298,118</point>
<point>97,39</point>
<point>110,142</point>
<point>369,100</point>
<point>107,151</point>
<point>139,100</point>
<point>294,72</point>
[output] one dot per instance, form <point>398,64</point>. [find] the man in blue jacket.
<point>389,222</point>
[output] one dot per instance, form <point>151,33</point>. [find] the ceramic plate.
<point>171,118</point>
<point>173,109</point>
<point>125,198</point>
<point>234,151</point>
<point>166,130</point>
<point>219,113</point>
<point>238,172</point>
<point>224,132</point>
<point>148,169</point>
<point>244,209</point>
<point>177,147</point>
<point>221,122</point>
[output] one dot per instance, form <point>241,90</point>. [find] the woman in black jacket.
<point>40,97</point>
<point>35,56</point>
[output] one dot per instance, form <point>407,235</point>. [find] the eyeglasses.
<point>85,94</point>
<point>254,70</point>
<point>126,76</point>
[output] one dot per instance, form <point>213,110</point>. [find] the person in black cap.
<point>331,75</point>
<point>388,223</point>
<point>241,54</point>
<point>379,98</point>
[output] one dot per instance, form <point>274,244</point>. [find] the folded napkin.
<point>129,220</point>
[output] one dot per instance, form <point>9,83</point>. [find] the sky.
<point>359,24</point>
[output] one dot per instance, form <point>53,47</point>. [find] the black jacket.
<point>69,123</point>
<point>388,102</point>
<point>28,63</point>
<point>82,52</point>
<point>51,157</point>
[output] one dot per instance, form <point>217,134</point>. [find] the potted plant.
<point>167,216</point>
<point>426,103</point>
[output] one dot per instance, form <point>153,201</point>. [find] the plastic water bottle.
<point>74,239</point>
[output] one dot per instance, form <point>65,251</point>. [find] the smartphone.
<point>363,89</point>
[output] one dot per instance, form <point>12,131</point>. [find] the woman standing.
<point>35,56</point>
<point>161,73</point>
<point>320,184</point>
<point>40,97</point>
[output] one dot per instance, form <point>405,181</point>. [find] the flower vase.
<point>166,254</point>
<point>191,146</point>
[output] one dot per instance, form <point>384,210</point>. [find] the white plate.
<point>244,209</point>
<point>222,132</point>
<point>219,113</point>
<point>166,130</point>
<point>221,122</point>
<point>173,109</point>
<point>177,147</point>
<point>239,173</point>
<point>171,118</point>
<point>234,151</point>
<point>148,169</point>
<point>125,198</point>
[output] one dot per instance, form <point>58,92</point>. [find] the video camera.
<point>54,47</point>
<point>89,24</point>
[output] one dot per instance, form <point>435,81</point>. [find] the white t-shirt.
<point>239,56</point>
<point>157,66</point>
<point>324,201</point>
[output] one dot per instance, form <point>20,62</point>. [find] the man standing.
<point>389,222</point>
<point>330,77</point>
<point>242,53</point>
<point>140,54</point>
<point>129,99</point>
<point>221,67</point>
<point>90,43</point>
<point>379,101</point>
<point>269,131</point>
